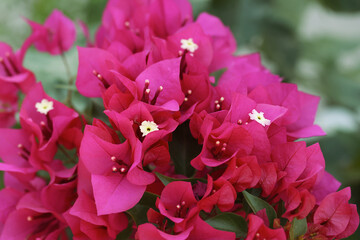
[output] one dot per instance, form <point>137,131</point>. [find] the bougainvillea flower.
<point>117,177</point>
<point>60,194</point>
<point>299,119</point>
<point>268,178</point>
<point>324,185</point>
<point>122,21</point>
<point>9,198</point>
<point>290,159</point>
<point>242,75</point>
<point>199,230</point>
<point>166,17</point>
<point>32,219</point>
<point>297,203</point>
<point>177,202</point>
<point>116,100</point>
<point>154,68</point>
<point>243,172</point>
<point>338,218</point>
<point>12,70</point>
<point>85,223</point>
<point>148,231</point>
<point>199,46</point>
<point>159,85</point>
<point>130,122</point>
<point>196,87</point>
<point>315,165</point>
<point>258,230</point>
<point>45,119</point>
<point>202,230</point>
<point>220,193</point>
<point>8,104</point>
<point>56,36</point>
<point>223,41</point>
<point>15,153</point>
<point>94,71</point>
<point>222,144</point>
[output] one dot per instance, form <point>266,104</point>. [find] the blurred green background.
<point>315,44</point>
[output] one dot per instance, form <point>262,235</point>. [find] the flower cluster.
<point>181,155</point>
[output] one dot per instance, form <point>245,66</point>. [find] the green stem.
<point>71,80</point>
<point>70,159</point>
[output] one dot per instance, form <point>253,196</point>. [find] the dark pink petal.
<point>148,231</point>
<point>114,194</point>
<point>163,74</point>
<point>203,231</point>
<point>257,229</point>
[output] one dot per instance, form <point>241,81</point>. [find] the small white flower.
<point>147,127</point>
<point>188,44</point>
<point>44,106</point>
<point>259,117</point>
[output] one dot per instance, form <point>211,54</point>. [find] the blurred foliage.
<point>342,6</point>
<point>315,44</point>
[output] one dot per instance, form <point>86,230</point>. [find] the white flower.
<point>147,127</point>
<point>44,106</point>
<point>188,44</point>
<point>259,117</point>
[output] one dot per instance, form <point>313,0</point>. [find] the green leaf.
<point>230,222</point>
<point>166,180</point>
<point>1,180</point>
<point>126,233</point>
<point>148,199</point>
<point>138,213</point>
<point>347,6</point>
<point>217,76</point>
<point>183,148</point>
<point>66,87</point>
<point>298,228</point>
<point>257,204</point>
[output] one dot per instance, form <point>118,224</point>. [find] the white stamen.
<point>259,117</point>
<point>147,127</point>
<point>44,106</point>
<point>188,44</point>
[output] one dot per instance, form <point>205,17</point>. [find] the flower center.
<point>122,167</point>
<point>147,127</point>
<point>259,117</point>
<point>219,103</point>
<point>188,44</point>
<point>146,93</point>
<point>44,106</point>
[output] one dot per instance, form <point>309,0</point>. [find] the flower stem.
<point>71,80</point>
